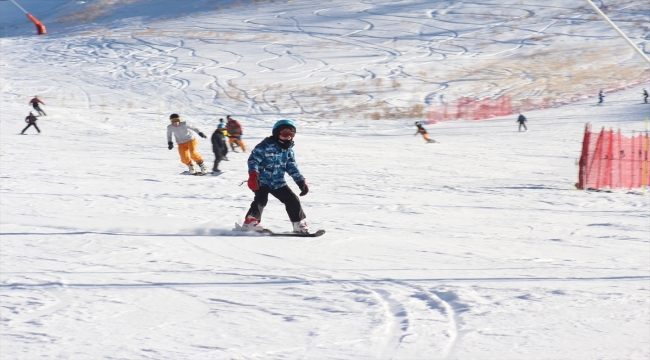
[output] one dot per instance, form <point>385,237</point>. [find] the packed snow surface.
<point>475,247</point>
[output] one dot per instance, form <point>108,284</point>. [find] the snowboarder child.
<point>31,121</point>
<point>186,142</point>
<point>423,131</point>
<point>267,163</point>
<point>34,102</point>
<point>219,146</point>
<point>522,122</point>
<point>235,130</point>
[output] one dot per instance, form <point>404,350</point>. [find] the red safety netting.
<point>611,160</point>
<point>470,109</point>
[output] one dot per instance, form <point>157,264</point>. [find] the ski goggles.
<point>175,120</point>
<point>287,133</point>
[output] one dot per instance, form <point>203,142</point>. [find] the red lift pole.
<point>40,28</point>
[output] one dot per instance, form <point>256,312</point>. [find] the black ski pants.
<point>284,194</point>
<point>217,159</point>
<point>38,108</point>
<point>522,124</point>
<point>27,127</point>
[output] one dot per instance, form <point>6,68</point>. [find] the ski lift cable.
<point>20,7</point>
<point>602,14</point>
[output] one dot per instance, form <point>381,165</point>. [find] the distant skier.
<point>219,146</point>
<point>267,163</point>
<point>34,102</point>
<point>31,121</point>
<point>601,97</point>
<point>522,122</point>
<point>235,130</point>
<point>645,96</point>
<point>186,142</point>
<point>423,131</point>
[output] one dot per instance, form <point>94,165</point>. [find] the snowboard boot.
<point>301,227</point>
<point>204,169</point>
<point>192,169</point>
<point>253,224</point>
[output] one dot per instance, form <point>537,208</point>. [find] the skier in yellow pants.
<point>186,143</point>
<point>423,131</point>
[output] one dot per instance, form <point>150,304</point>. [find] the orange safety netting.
<point>611,160</point>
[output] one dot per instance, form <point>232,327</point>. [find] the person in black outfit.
<point>31,121</point>
<point>645,96</point>
<point>219,146</point>
<point>522,122</point>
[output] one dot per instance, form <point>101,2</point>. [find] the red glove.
<point>253,180</point>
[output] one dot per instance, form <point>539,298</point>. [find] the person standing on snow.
<point>645,96</point>
<point>235,130</point>
<point>31,121</point>
<point>423,131</point>
<point>267,163</point>
<point>186,142</point>
<point>601,97</point>
<point>34,102</point>
<point>522,122</point>
<point>219,146</point>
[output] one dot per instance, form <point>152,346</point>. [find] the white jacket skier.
<point>186,142</point>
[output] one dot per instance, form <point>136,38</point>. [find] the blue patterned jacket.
<point>271,162</point>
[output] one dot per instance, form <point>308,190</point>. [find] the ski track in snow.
<point>431,251</point>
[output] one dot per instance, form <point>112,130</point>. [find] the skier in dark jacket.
<point>601,97</point>
<point>645,96</point>
<point>35,101</point>
<point>423,131</point>
<point>219,146</point>
<point>522,122</point>
<point>31,121</point>
<point>267,164</point>
<point>235,130</point>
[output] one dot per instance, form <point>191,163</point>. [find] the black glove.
<point>304,189</point>
<point>202,135</point>
<point>170,145</point>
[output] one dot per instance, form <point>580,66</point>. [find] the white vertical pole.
<point>602,14</point>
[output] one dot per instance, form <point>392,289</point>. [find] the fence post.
<point>620,160</point>
<point>599,155</point>
<point>633,161</point>
<point>584,158</point>
<point>645,162</point>
<point>610,151</point>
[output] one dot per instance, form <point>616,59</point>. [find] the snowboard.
<point>268,232</point>
<point>314,234</point>
<point>198,173</point>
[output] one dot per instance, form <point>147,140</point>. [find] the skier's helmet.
<point>221,126</point>
<point>417,123</point>
<point>281,125</point>
<point>174,117</point>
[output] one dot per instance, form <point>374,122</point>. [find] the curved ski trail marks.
<point>396,326</point>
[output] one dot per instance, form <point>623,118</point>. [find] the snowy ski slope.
<point>474,248</point>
